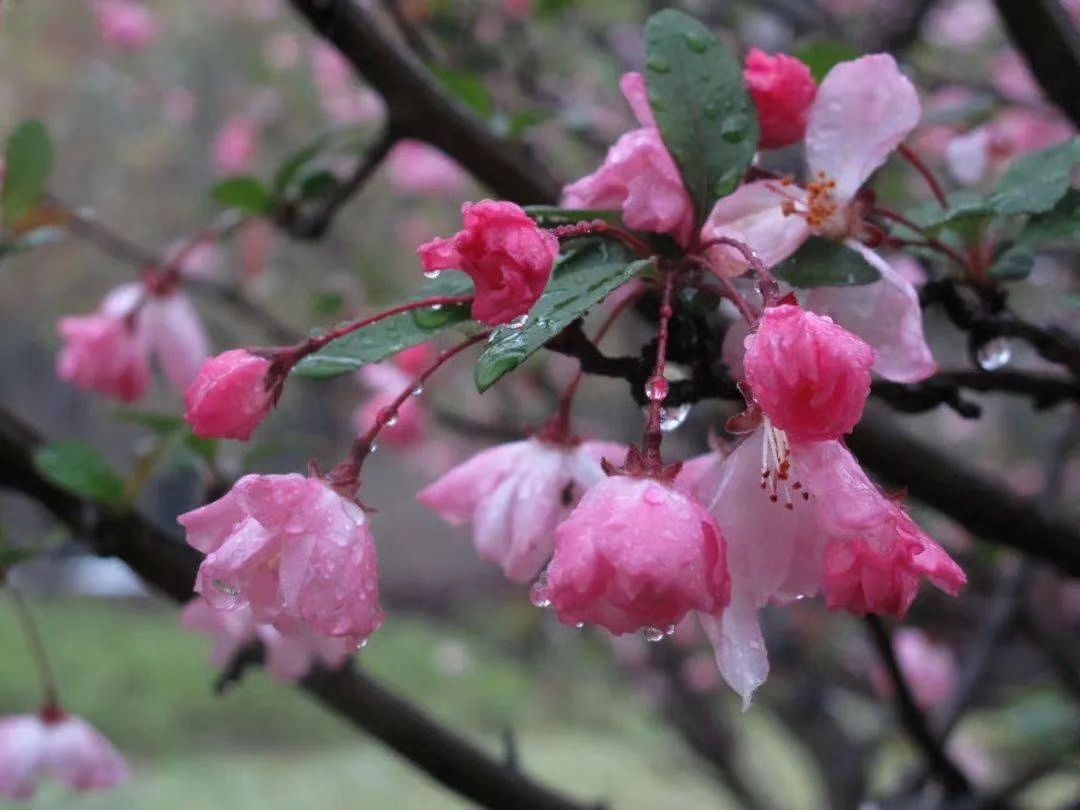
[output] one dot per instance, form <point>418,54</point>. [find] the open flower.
<point>638,553</point>
<point>783,90</point>
<point>863,110</point>
<point>289,655</point>
<point>59,745</point>
<point>291,550</point>
<point>508,257</point>
<point>230,395</point>
<point>515,495</point>
<point>638,176</point>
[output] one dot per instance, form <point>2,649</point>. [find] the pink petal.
<point>22,755</point>
<point>753,215</point>
<point>635,92</point>
<point>177,335</point>
<point>80,757</point>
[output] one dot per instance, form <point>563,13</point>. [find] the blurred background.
<point>144,128</point>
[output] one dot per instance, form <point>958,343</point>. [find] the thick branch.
<point>169,566</point>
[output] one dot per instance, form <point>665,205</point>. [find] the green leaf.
<point>390,336</point>
<point>468,88</point>
<point>28,160</point>
<point>318,184</point>
<point>1057,228</point>
<point>824,263</point>
<point>581,280</point>
<point>553,215</point>
<point>79,468</point>
<point>244,193</point>
<point>824,54</point>
<point>1035,182</point>
<point>1013,264</point>
<point>701,106</point>
<point>967,210</point>
<point>298,160</point>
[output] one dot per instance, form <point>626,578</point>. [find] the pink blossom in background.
<point>638,176</point>
<point>342,99</point>
<point>254,244</point>
<point>408,427</point>
<point>929,668</point>
<point>1013,79</point>
<point>289,655</point>
<point>636,554</point>
<point>127,25</point>
<point>175,335</point>
<point>230,396</point>
<point>235,145</point>
<point>960,24</point>
<point>985,152</point>
<point>782,90</point>
<point>417,168</point>
<point>507,256</point>
<point>58,745</point>
<point>415,359</point>
<point>515,495</point>
<point>204,260</point>
<point>968,156</point>
<point>293,551</point>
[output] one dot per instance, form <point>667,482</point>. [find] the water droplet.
<point>696,42</point>
<point>994,354</point>
<point>362,644</point>
<point>432,273</point>
<point>656,388</point>
<point>579,625</point>
<point>658,66</point>
<point>653,634</point>
<point>224,587</point>
<point>518,322</point>
<point>374,447</point>
<point>712,110</point>
<point>418,391</point>
<point>673,418</point>
<point>655,496</point>
<point>393,420</point>
<point>670,631</point>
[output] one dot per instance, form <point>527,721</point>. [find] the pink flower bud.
<point>783,90</point>
<point>636,553</point>
<point>229,396</point>
<point>62,746</point>
<point>293,551</point>
<point>507,256</point>
<point>125,24</point>
<point>810,376</point>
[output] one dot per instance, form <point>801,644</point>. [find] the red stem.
<point>931,242</point>
<point>50,694</point>
<point>650,441</point>
<point>598,226</point>
<point>767,286</point>
<point>907,154</point>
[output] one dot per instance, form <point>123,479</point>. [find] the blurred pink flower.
<point>178,105</point>
<point>235,145</point>
<point>929,668</point>
<point>127,25</point>
<point>342,99</point>
<point>417,168</point>
<point>960,24</point>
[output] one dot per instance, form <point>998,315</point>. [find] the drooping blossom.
<point>235,145</point>
<point>289,655</point>
<point>637,553</point>
<point>638,176</point>
<point>62,746</point>
<point>782,90</point>
<point>515,495</point>
<point>863,110</point>
<point>230,395</point>
<point>508,257</point>
<point>929,668</point>
<point>417,168</point>
<point>292,551</point>
<point>126,25</point>
<point>175,336</point>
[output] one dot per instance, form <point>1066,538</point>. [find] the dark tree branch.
<point>1044,34</point>
<point>912,718</point>
<point>169,566</point>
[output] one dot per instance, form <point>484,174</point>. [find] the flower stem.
<point>50,694</point>
<point>650,441</point>
<point>767,286</point>
<point>602,228</point>
<point>935,187</point>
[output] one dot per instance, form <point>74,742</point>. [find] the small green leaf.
<point>1057,228</point>
<point>297,161</point>
<point>1013,264</point>
<point>824,263</point>
<point>28,160</point>
<point>390,336</point>
<point>318,184</point>
<point>553,215</point>
<point>79,468</point>
<point>701,106</point>
<point>824,54</point>
<point>1035,182</point>
<point>967,210</point>
<point>468,88</point>
<point>243,193</point>
<point>581,280</point>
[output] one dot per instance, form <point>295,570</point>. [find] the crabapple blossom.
<point>230,395</point>
<point>929,668</point>
<point>507,256</point>
<point>126,25</point>
<point>235,145</point>
<point>638,176</point>
<point>809,376</point>
<point>292,551</point>
<point>782,90</point>
<point>515,495</point>
<point>289,655</point>
<point>175,336</point>
<point>416,168</point>
<point>59,745</point>
<point>637,553</point>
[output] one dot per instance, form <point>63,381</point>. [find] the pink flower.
<point>515,495</point>
<point>507,256</point>
<point>254,243</point>
<point>125,24</point>
<point>230,395</point>
<point>235,145</point>
<point>289,655</point>
<point>863,110</point>
<point>293,551</point>
<point>175,335</point>
<point>636,553</point>
<point>106,352</point>
<point>638,176</point>
<point>63,746</point>
<point>929,668</point>
<point>810,376</point>
<point>417,168</point>
<point>783,90</point>
<point>341,99</point>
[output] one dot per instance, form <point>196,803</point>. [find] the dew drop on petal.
<point>994,354</point>
<point>518,322</point>
<point>579,625</point>
<point>224,587</point>
<point>432,273</point>
<point>653,634</point>
<point>655,495</point>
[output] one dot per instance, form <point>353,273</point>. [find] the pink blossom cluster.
<point>126,25</point>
